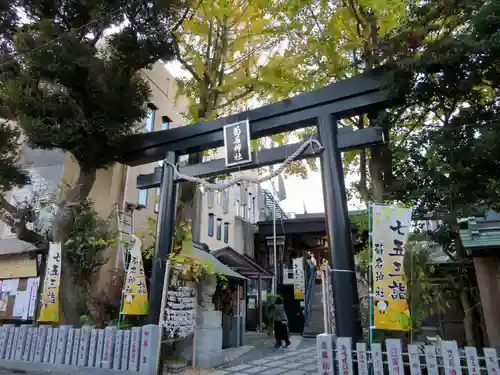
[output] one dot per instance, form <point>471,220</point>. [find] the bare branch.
<point>234,99</point>
<point>17,220</point>
<point>5,205</point>
<point>183,62</point>
<point>185,16</point>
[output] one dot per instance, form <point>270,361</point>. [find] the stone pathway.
<point>298,359</point>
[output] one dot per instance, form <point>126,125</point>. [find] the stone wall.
<point>67,348</point>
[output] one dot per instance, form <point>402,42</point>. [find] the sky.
<point>300,193</point>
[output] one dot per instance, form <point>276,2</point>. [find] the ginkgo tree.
<point>328,41</point>
<point>224,46</point>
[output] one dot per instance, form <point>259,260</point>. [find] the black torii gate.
<point>366,93</point>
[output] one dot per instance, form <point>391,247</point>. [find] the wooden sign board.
<point>237,146</point>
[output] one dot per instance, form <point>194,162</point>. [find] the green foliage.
<point>227,46</point>
<point>427,294</point>
<point>87,242</point>
<point>10,173</point>
<point>84,256</point>
<point>150,236</point>
<point>221,46</point>
<point>190,268</point>
<point>268,308</point>
<point>68,86</point>
<point>328,41</point>
<point>451,92</point>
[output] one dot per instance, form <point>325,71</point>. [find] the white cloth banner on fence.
<point>344,355</point>
<point>431,360</point>
<point>414,359</point>
<point>362,358</point>
<point>451,357</point>
<point>472,360</point>
<point>325,354</point>
<point>377,360</point>
<point>491,358</point>
<point>395,356</point>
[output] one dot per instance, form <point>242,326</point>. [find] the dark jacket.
<point>279,313</point>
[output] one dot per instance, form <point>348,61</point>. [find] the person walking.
<point>280,324</point>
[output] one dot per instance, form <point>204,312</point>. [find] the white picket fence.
<point>393,361</point>
<point>131,350</point>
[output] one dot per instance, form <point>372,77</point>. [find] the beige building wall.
<point>234,217</point>
<point>115,187</point>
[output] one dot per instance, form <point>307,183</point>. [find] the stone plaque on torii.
<point>322,108</point>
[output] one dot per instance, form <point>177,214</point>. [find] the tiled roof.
<point>480,233</point>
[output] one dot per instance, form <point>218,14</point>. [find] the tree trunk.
<point>187,202</point>
<point>62,225</point>
<point>469,323</point>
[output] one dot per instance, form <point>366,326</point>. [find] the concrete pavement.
<point>298,359</point>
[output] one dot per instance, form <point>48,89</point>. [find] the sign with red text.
<point>472,360</point>
<point>344,355</point>
<point>451,358</point>
<point>395,357</point>
<point>325,354</point>
<point>491,358</point>
<point>362,358</point>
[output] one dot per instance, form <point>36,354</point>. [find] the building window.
<point>225,202</point>
<point>165,122</point>
<point>219,229</point>
<point>142,197</point>
<point>211,219</point>
<point>226,232</point>
<point>238,193</point>
<point>157,200</point>
<point>149,121</point>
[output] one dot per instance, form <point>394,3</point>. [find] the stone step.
<point>315,326</point>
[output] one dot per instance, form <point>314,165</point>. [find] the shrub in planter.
<point>269,312</point>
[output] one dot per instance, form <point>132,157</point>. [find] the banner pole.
<point>161,320</point>
<point>324,300</point>
<point>370,274</point>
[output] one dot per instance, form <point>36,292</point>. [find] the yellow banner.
<point>298,279</point>
<point>135,292</point>
<point>391,228</point>
<point>49,309</point>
